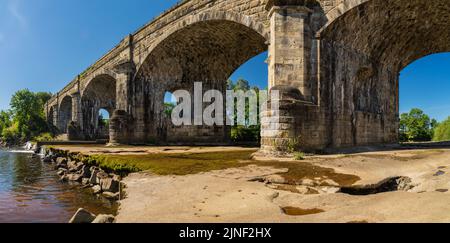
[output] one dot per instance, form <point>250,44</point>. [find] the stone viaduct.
<point>336,63</point>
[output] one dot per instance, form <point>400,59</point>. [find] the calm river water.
<point>30,192</point>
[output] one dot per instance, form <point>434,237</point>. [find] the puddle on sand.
<point>299,171</point>
<point>293,211</point>
<point>439,173</point>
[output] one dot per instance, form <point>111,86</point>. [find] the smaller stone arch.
<point>65,113</point>
<point>99,93</point>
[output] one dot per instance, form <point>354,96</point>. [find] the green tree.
<point>244,133</point>
<point>442,131</point>
<point>416,126</point>
<point>27,111</point>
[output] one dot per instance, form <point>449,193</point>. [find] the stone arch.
<point>385,35</point>
<point>394,32</point>
<point>65,113</point>
<point>100,93</point>
<point>207,47</point>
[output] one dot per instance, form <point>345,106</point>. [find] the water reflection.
<point>31,192</point>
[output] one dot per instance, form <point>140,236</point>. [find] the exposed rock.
<point>74,177</point>
<point>47,159</point>
<point>275,179</point>
<point>62,171</point>
<point>109,185</point>
<point>61,160</point>
<point>97,189</point>
<point>116,177</point>
<point>82,216</point>
<point>93,178</point>
<point>329,183</point>
<point>405,184</point>
<point>101,175</point>
<point>86,172</point>
<point>85,181</point>
<point>104,219</point>
<point>308,182</point>
<point>111,196</point>
<point>329,190</point>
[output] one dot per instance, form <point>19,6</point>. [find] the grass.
<point>299,156</point>
<point>194,163</point>
<point>169,164</point>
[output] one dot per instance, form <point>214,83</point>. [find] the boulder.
<point>97,189</point>
<point>104,219</point>
<point>85,181</point>
<point>61,162</point>
<point>71,166</point>
<point>275,179</point>
<point>61,171</point>
<point>74,177</point>
<point>111,196</point>
<point>109,185</point>
<point>93,178</point>
<point>47,159</point>
<point>82,216</point>
<point>86,171</point>
<point>101,175</point>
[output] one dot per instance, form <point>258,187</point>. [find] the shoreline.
<point>358,187</point>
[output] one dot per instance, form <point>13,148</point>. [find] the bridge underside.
<point>337,71</point>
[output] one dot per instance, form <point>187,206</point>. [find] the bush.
<point>12,133</point>
<point>246,134</point>
<point>44,137</point>
<point>299,156</point>
<point>442,131</point>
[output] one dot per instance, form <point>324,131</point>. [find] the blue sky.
<point>45,43</point>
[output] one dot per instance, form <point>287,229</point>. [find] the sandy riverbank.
<point>239,194</point>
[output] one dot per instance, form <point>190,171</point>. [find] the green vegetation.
<point>25,120</point>
<point>442,131</point>
<point>299,156</point>
<point>167,164</point>
<point>416,126</point>
<point>246,133</point>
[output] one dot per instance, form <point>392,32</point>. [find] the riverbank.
<point>386,186</point>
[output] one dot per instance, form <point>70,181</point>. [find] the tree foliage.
<point>416,126</point>
<point>442,131</point>
<point>244,133</point>
<point>25,120</point>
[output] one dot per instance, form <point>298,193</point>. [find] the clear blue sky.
<point>45,43</point>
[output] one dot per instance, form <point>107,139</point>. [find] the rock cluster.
<point>82,216</point>
<point>100,182</point>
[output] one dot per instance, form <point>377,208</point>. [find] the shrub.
<point>43,137</point>
<point>442,131</point>
<point>299,156</point>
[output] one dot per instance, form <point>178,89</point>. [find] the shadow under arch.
<point>100,93</point>
<point>65,114</point>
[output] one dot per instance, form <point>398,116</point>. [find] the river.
<point>30,192</point>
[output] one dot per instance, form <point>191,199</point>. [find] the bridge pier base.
<point>290,73</point>
<point>118,128</point>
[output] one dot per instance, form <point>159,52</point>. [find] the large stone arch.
<point>364,46</point>
<point>99,93</point>
<point>65,113</point>
<point>207,47</point>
